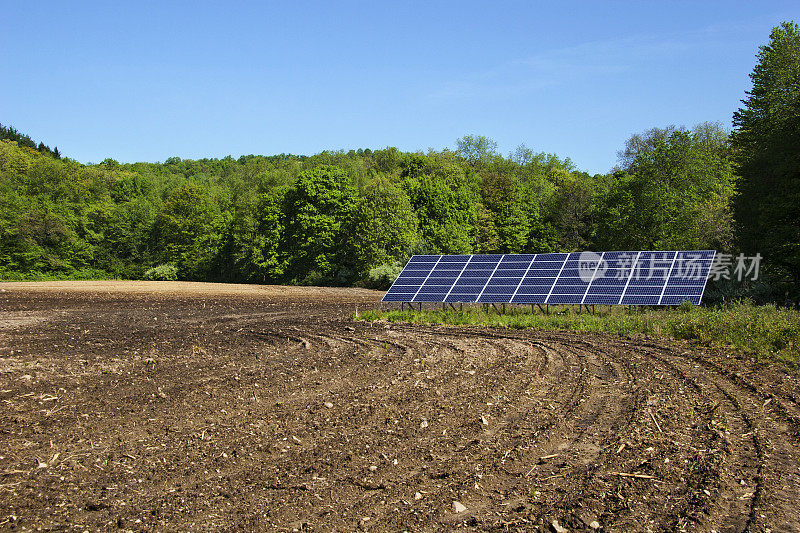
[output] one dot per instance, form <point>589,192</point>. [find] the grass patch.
<point>763,331</point>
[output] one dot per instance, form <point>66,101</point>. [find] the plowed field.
<point>153,406</point>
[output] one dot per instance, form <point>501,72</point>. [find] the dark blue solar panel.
<point>530,298</point>
<point>696,290</point>
<point>601,299</point>
<point>640,300</point>
<point>565,299</point>
<point>505,279</point>
<point>612,278</point>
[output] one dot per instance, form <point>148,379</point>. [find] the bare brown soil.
<point>160,407</point>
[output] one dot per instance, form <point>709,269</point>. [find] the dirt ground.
<point>197,407</point>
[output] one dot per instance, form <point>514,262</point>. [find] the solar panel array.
<point>609,278</point>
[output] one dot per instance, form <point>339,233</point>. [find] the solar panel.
<point>609,278</point>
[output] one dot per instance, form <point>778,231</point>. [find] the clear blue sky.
<point>143,81</point>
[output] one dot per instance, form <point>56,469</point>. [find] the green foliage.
<point>334,217</point>
<point>766,144</point>
<point>11,134</point>
<point>572,210</point>
<point>35,275</point>
<point>381,277</point>
<point>383,228</point>
<point>504,222</point>
<point>760,291</point>
<point>187,230</point>
<point>161,273</point>
<point>318,209</point>
<point>676,193</point>
<point>761,331</point>
<point>329,218</point>
<point>477,149</point>
<point>446,206</point>
<point>257,238</point>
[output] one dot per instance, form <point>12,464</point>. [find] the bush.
<point>761,291</point>
<point>312,279</point>
<point>35,275</point>
<point>381,277</point>
<point>162,273</point>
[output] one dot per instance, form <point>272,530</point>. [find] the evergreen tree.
<point>766,141</point>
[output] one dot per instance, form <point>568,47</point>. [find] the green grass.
<point>763,331</point>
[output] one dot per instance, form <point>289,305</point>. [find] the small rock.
<point>484,420</point>
<point>555,526</point>
<point>329,405</point>
<point>424,423</point>
<point>589,520</point>
<point>349,328</point>
<point>296,440</point>
<point>373,468</point>
<point>417,496</point>
<point>458,507</point>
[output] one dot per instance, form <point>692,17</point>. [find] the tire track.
<point>734,478</point>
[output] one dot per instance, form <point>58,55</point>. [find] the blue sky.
<point>143,81</point>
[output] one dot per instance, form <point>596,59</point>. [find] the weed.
<point>764,331</point>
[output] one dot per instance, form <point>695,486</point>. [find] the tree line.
<point>353,217</point>
<point>11,134</point>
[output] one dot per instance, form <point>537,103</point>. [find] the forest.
<point>354,217</point>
